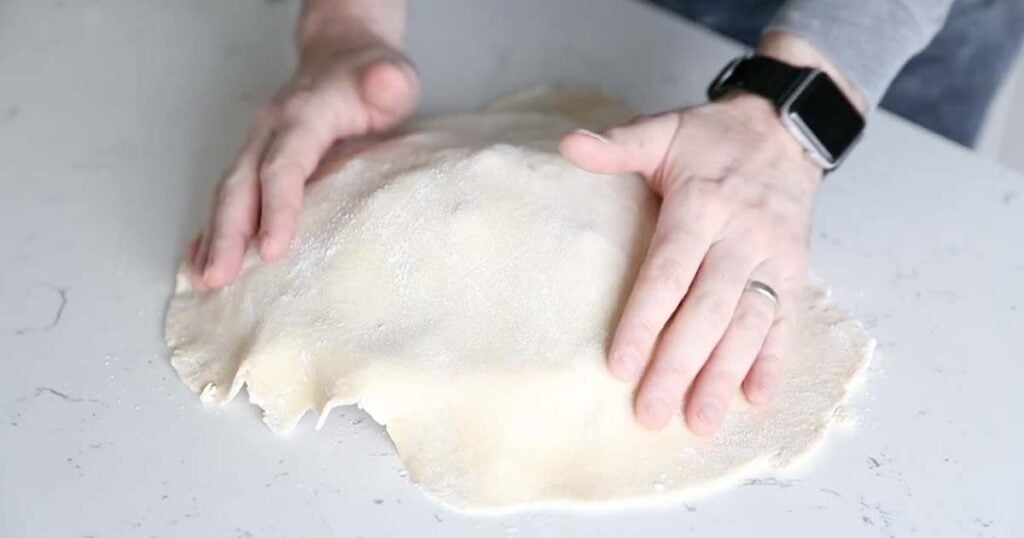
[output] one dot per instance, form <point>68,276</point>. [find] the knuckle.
<point>714,307</point>
<point>753,319</point>
<point>674,372</point>
<point>225,192</point>
<point>692,234</point>
<point>680,235</point>
<point>721,379</point>
<point>278,166</point>
<point>703,192</point>
<point>298,106</point>
<point>283,205</point>
<point>669,275</point>
<point>642,332</point>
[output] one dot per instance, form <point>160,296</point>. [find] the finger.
<point>193,249</point>
<point>668,269</point>
<point>233,225</point>
<point>199,260</point>
<point>693,333</point>
<point>234,216</point>
<point>392,89</point>
<point>638,147</point>
<point>719,380</point>
<point>762,382</point>
<point>289,161</point>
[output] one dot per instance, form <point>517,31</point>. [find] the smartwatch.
<point>810,104</point>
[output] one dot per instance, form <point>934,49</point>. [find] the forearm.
<point>868,41</point>
<point>341,23</point>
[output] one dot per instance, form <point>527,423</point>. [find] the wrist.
<point>822,112</point>
<point>795,50</point>
<point>315,49</point>
<point>332,26</point>
<point>760,118</point>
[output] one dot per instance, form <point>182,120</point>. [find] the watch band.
<point>810,104</point>
<point>767,77</point>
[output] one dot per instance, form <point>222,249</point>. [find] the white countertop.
<point>116,118</point>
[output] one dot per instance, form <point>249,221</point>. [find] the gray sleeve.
<point>868,40</point>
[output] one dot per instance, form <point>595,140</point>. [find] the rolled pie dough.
<point>460,282</point>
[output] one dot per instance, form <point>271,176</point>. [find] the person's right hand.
<point>336,94</point>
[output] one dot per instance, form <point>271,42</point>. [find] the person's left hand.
<point>737,191</point>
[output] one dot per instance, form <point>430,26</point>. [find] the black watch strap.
<point>767,77</point>
<point>810,104</point>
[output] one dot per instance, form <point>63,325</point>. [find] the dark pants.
<point>947,88</point>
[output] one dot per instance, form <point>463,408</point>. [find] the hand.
<point>341,92</point>
<point>737,191</point>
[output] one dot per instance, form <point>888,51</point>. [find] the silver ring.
<point>765,290</point>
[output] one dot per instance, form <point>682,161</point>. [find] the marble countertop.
<point>117,117</point>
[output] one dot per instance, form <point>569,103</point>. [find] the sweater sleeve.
<point>868,40</point>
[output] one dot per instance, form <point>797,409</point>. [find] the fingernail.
<point>591,134</point>
<point>710,413</point>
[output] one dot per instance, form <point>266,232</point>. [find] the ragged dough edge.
<point>212,393</point>
<point>763,466</point>
<point>220,387</point>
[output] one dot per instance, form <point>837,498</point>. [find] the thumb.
<point>639,146</point>
<point>391,88</point>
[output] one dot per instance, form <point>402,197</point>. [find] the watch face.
<point>826,118</point>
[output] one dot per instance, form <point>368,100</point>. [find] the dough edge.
<point>227,384</point>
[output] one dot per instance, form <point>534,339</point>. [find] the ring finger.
<point>692,335</point>
<point>721,377</point>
